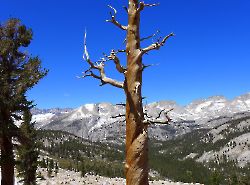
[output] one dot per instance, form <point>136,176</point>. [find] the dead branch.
<point>99,67</point>
<point>121,104</point>
<point>146,111</point>
<point>156,45</point>
<point>125,40</point>
<point>143,5</point>
<point>118,116</point>
<point>113,19</point>
<point>144,66</point>
<point>150,36</point>
<point>165,113</point>
<point>121,50</point>
<point>125,8</point>
<point>116,60</point>
<point>147,116</point>
<point>156,120</point>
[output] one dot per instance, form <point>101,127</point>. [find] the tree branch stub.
<point>142,5</point>
<point>156,45</point>
<point>150,36</point>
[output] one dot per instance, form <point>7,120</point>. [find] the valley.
<point>210,140</point>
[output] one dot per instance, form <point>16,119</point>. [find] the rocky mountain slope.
<point>73,178</point>
<point>97,123</point>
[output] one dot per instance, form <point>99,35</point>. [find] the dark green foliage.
<point>43,163</point>
<point>65,145</point>
<point>19,72</point>
<point>56,168</point>
<point>215,178</point>
<point>50,167</point>
<point>27,152</point>
<point>177,169</point>
<point>51,164</point>
<point>234,180</point>
<point>74,153</point>
<point>47,162</point>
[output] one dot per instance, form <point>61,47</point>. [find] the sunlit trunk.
<point>136,167</point>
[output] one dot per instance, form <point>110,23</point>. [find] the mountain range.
<point>205,135</point>
<point>98,122</point>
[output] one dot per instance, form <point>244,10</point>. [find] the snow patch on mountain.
<point>89,107</point>
<point>201,106</point>
<point>77,114</point>
<point>97,120</point>
<point>42,119</point>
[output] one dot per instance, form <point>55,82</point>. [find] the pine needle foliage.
<point>27,151</point>
<point>19,72</point>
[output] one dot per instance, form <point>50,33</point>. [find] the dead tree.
<point>136,166</point>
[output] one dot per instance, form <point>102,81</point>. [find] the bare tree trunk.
<point>136,167</point>
<point>7,167</point>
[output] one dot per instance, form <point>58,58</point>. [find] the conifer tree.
<point>27,151</point>
<point>43,163</point>
<point>50,167</point>
<point>19,72</point>
<point>215,179</point>
<point>56,168</point>
<point>47,162</point>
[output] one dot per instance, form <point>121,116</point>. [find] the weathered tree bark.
<point>136,168</point>
<point>7,167</point>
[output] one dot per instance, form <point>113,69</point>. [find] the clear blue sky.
<point>210,54</point>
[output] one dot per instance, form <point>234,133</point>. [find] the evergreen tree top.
<point>19,71</point>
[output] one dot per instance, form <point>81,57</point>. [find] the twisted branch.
<point>143,5</point>
<point>156,45</point>
<point>118,116</point>
<point>99,67</point>
<point>116,60</point>
<point>113,19</point>
<point>156,120</point>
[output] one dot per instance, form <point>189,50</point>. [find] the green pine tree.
<point>43,163</point>
<point>27,152</point>
<point>50,167</point>
<point>215,178</point>
<point>19,72</point>
<point>56,168</point>
<point>47,162</point>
